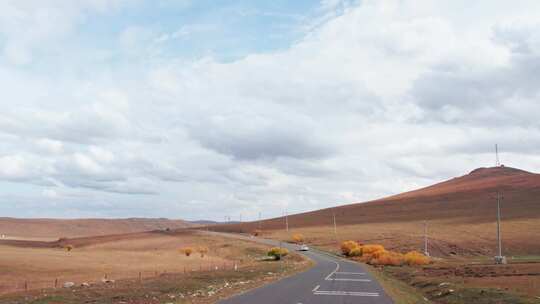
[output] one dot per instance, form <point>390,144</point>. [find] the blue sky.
<point>206,109</point>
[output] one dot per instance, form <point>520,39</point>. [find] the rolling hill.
<point>467,198</point>
<point>461,213</point>
<point>55,228</point>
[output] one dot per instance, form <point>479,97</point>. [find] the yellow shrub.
<point>372,248</point>
<point>187,251</point>
<point>202,251</point>
<point>348,246</point>
<point>388,258</point>
<point>69,248</point>
<point>278,253</point>
<point>257,232</point>
<point>416,258</point>
<point>298,238</point>
<point>355,252</point>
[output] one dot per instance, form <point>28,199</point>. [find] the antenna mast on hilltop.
<point>497,162</point>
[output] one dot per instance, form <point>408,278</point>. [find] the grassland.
<point>165,272</point>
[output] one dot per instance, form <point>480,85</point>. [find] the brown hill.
<point>56,228</point>
<point>469,198</point>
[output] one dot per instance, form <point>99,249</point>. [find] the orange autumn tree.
<point>298,238</point>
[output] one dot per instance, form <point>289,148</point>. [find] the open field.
<point>117,257</point>
<point>200,286</point>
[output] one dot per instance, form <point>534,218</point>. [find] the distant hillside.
<point>204,222</point>
<point>55,228</point>
<point>469,198</point>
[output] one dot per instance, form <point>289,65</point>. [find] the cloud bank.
<point>365,99</point>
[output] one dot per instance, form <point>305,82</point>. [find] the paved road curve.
<point>331,280</point>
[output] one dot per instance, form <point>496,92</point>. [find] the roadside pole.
<point>426,252</point>
<point>335,226</point>
<point>499,259</point>
<point>286,221</point>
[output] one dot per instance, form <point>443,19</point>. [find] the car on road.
<point>304,248</point>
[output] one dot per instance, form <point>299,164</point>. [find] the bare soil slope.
<point>469,198</point>
<point>56,228</point>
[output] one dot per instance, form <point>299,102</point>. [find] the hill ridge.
<point>466,198</point>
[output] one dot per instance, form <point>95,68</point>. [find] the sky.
<point>206,109</point>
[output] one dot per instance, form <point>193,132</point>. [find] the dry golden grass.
<point>119,259</point>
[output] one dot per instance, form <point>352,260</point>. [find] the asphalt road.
<point>331,280</point>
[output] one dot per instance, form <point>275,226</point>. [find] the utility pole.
<point>499,259</point>
<point>286,221</point>
<point>426,252</point>
<point>240,217</point>
<point>335,226</point>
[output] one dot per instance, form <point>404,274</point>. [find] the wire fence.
<point>65,281</point>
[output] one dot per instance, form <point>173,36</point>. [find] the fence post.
<point>55,282</point>
<point>140,277</point>
<point>25,285</point>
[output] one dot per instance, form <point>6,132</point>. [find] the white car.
<point>304,248</point>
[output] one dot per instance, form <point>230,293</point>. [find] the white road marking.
<point>329,276</point>
<point>346,293</point>
<point>331,273</point>
<point>354,280</point>
<point>317,287</point>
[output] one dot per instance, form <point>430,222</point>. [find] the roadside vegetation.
<point>298,238</point>
<point>376,254</point>
<point>278,253</point>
